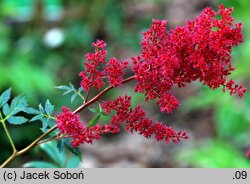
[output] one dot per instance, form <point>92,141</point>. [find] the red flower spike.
<point>137,122</point>
<point>92,76</point>
<point>99,44</point>
<point>96,68</point>
<point>198,51</point>
<point>114,70</point>
<point>69,123</point>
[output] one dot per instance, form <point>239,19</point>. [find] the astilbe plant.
<point>200,50</point>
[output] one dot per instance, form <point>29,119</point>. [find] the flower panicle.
<point>200,50</point>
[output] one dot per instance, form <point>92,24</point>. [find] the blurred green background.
<point>42,45</point>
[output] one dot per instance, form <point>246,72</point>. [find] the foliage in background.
<point>59,159</point>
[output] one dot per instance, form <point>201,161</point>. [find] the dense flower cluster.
<point>92,76</point>
<point>97,68</point>
<point>68,123</point>
<point>121,105</point>
<point>136,121</point>
<point>200,50</point>
<point>115,71</point>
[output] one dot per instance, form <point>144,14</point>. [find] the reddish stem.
<point>79,109</point>
<point>37,141</point>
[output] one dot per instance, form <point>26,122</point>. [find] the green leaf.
<point>104,114</point>
<point>73,162</point>
<point>31,110</point>
<point>5,97</point>
<point>100,107</point>
<point>17,105</point>
<point>101,110</point>
<point>60,145</point>
<point>17,120</point>
<point>71,86</point>
<point>49,107</point>
<point>73,150</point>
<point>80,89</point>
<point>41,109</point>
<point>73,97</point>
<point>94,120</point>
<point>52,151</point>
<point>38,117</point>
<point>64,87</point>
<point>71,89</point>
<point>68,91</point>
<point>6,109</point>
<point>40,164</point>
<point>93,110</point>
<point>46,123</point>
<point>51,122</point>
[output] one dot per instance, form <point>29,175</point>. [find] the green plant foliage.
<point>214,154</point>
<point>18,104</point>
<point>71,89</point>
<point>53,152</point>
<point>66,143</point>
<point>17,120</point>
<point>99,114</point>
<point>59,159</point>
<point>40,164</point>
<point>231,114</point>
<point>94,120</point>
<point>31,110</point>
<point>32,84</point>
<point>49,108</point>
<point>232,123</point>
<point>44,114</point>
<point>5,97</point>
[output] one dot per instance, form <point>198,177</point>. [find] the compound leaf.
<point>17,120</point>
<point>5,97</point>
<point>49,107</point>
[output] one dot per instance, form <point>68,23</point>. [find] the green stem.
<point>1,117</point>
<point>36,142</point>
<point>80,95</point>
<point>51,117</point>
<point>8,135</point>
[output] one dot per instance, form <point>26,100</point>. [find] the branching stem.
<point>37,141</point>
